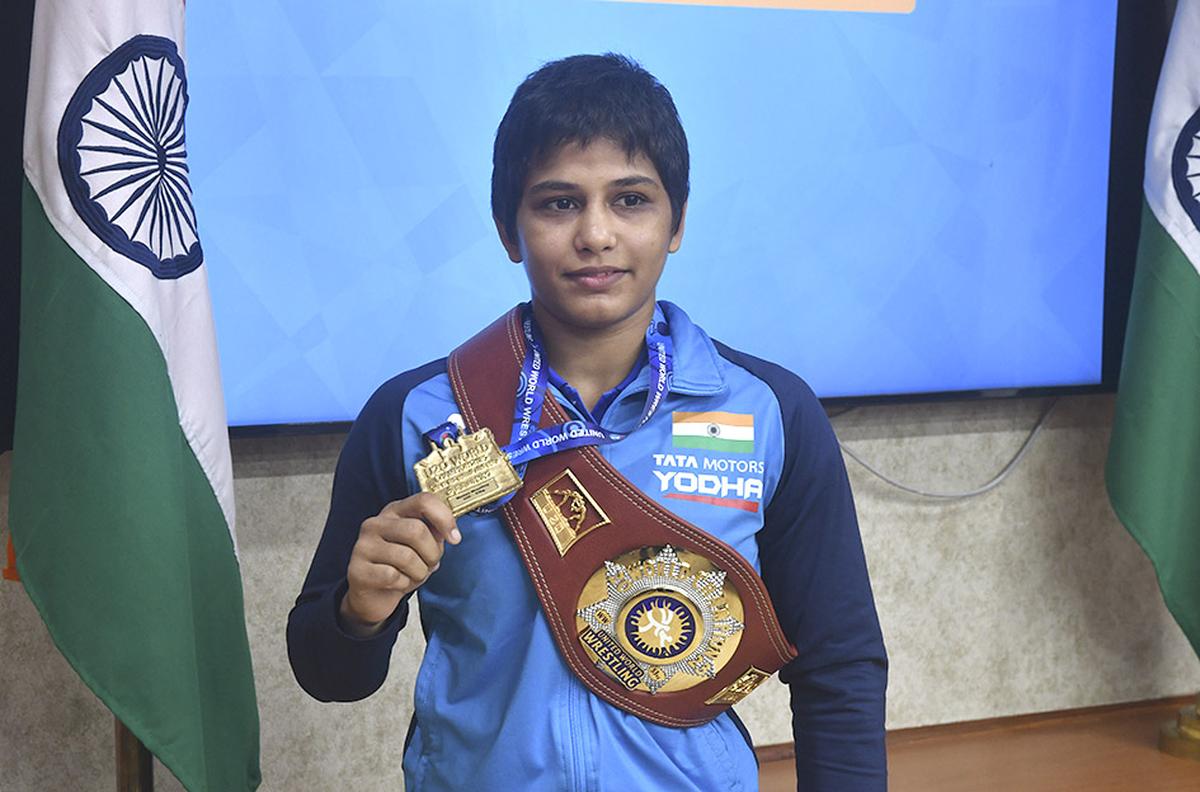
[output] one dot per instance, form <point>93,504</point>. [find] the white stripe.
<point>69,38</point>
<point>722,431</point>
<point>1177,99</point>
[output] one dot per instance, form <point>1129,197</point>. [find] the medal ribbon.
<point>528,442</point>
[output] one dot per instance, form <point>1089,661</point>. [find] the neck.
<point>593,360</point>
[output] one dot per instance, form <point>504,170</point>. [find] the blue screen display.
<point>884,203</point>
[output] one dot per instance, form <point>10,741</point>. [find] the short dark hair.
<point>580,99</point>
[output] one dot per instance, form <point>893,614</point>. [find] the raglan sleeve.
<point>328,662</point>
<point>814,568</point>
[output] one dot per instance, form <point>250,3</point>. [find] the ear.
<point>677,237</point>
<point>510,245</point>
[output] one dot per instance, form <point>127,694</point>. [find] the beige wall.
<point>1029,598</point>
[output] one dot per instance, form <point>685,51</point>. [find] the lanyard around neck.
<point>528,441</point>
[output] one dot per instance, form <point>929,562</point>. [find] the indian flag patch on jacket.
<point>715,431</point>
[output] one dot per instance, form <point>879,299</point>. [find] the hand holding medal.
<point>397,550</point>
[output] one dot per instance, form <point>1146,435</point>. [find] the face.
<point>594,231</point>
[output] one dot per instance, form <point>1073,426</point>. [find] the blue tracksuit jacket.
<point>496,707</point>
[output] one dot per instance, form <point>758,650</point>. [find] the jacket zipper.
<point>581,749</point>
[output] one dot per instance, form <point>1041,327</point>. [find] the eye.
<point>631,200</point>
<point>560,204</point>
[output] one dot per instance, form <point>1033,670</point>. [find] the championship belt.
<point>651,613</point>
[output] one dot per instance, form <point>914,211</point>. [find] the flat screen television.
<point>893,204</point>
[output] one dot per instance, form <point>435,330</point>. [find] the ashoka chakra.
<point>122,156</point>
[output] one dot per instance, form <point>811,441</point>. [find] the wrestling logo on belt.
<point>659,619</point>
<point>568,510</point>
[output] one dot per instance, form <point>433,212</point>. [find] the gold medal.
<point>468,472</point>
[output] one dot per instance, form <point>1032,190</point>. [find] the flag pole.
<point>135,766</point>
<point>1181,737</point>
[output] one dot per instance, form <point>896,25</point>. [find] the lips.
<point>596,277</point>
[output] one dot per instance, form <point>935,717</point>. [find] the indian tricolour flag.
<point>121,501</point>
<point>715,431</point>
<point>1153,472</point>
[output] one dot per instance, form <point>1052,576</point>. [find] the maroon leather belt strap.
<point>651,613</point>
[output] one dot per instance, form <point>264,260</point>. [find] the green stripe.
<point>713,443</point>
<point>1153,471</point>
<point>120,540</point>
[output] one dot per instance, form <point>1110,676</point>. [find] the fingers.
<point>432,510</point>
<point>411,534</point>
<point>411,562</point>
<point>399,548</point>
<point>368,576</point>
<point>380,565</point>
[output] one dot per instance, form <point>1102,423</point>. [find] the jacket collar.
<point>697,365</point>
<point>698,370</point>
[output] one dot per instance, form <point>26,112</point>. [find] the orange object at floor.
<point>10,568</point>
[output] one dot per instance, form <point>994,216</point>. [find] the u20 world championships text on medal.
<point>468,472</point>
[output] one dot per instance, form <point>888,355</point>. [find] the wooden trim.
<point>135,764</point>
<point>895,737</point>
<point>775,753</point>
<point>1012,722</point>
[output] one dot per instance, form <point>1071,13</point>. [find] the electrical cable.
<point>995,482</point>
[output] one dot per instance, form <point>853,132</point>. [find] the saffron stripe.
<point>715,416</point>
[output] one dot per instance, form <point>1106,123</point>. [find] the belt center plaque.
<point>659,619</point>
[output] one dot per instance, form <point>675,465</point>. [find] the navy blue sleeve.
<point>329,663</point>
<point>815,571</point>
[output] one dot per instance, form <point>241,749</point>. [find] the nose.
<point>595,232</point>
